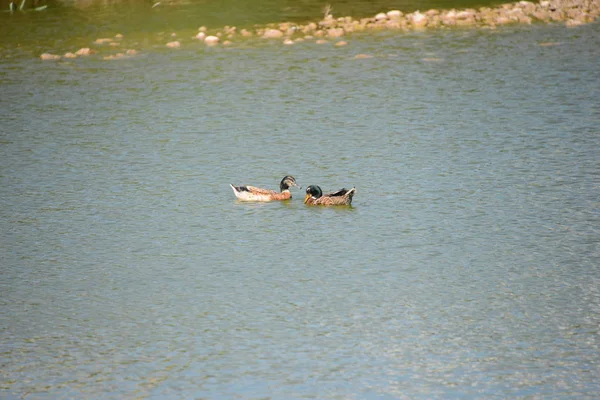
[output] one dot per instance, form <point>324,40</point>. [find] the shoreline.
<point>571,13</point>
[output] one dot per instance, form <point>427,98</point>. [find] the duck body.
<point>253,193</point>
<point>315,197</point>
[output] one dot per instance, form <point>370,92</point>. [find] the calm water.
<point>468,266</point>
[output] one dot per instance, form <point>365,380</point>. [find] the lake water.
<point>467,267</point>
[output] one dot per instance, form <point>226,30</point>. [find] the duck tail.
<point>351,192</point>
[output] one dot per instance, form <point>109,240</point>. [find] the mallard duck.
<point>252,193</point>
<point>315,197</point>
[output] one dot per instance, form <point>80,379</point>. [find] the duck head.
<point>313,191</point>
<point>287,182</point>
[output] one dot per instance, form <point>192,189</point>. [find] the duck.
<point>315,197</point>
<point>252,193</point>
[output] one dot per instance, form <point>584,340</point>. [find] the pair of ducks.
<point>314,194</point>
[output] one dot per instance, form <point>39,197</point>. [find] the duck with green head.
<point>315,197</point>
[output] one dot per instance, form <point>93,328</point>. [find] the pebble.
<point>211,40</point>
<point>102,40</point>
<point>49,56</point>
<point>84,51</point>
<point>272,34</point>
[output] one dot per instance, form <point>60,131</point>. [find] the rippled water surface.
<point>467,267</point>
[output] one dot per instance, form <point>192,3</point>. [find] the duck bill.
<point>306,198</point>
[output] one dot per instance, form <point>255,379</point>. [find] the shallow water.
<point>467,267</point>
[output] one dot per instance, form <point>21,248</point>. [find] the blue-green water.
<point>468,266</point>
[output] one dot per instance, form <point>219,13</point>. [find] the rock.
<point>464,15</point>
<point>174,45</point>
<point>464,22</point>
<point>211,40</point>
<point>362,56</point>
<point>272,34</point>
<point>328,22</point>
<point>418,20</point>
<point>341,43</point>
<point>503,20</point>
<point>394,14</point>
<point>114,57</point>
<point>348,28</point>
<point>381,17</point>
<point>201,36</point>
<point>465,18</point>
<point>395,24</point>
<point>84,51</point>
<point>527,6</point>
<point>335,32</point>
<point>524,19</point>
<point>70,55</point>
<point>542,15</point>
<point>49,56</point>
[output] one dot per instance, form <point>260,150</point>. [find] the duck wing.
<point>341,192</point>
<point>342,197</point>
<point>257,190</point>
